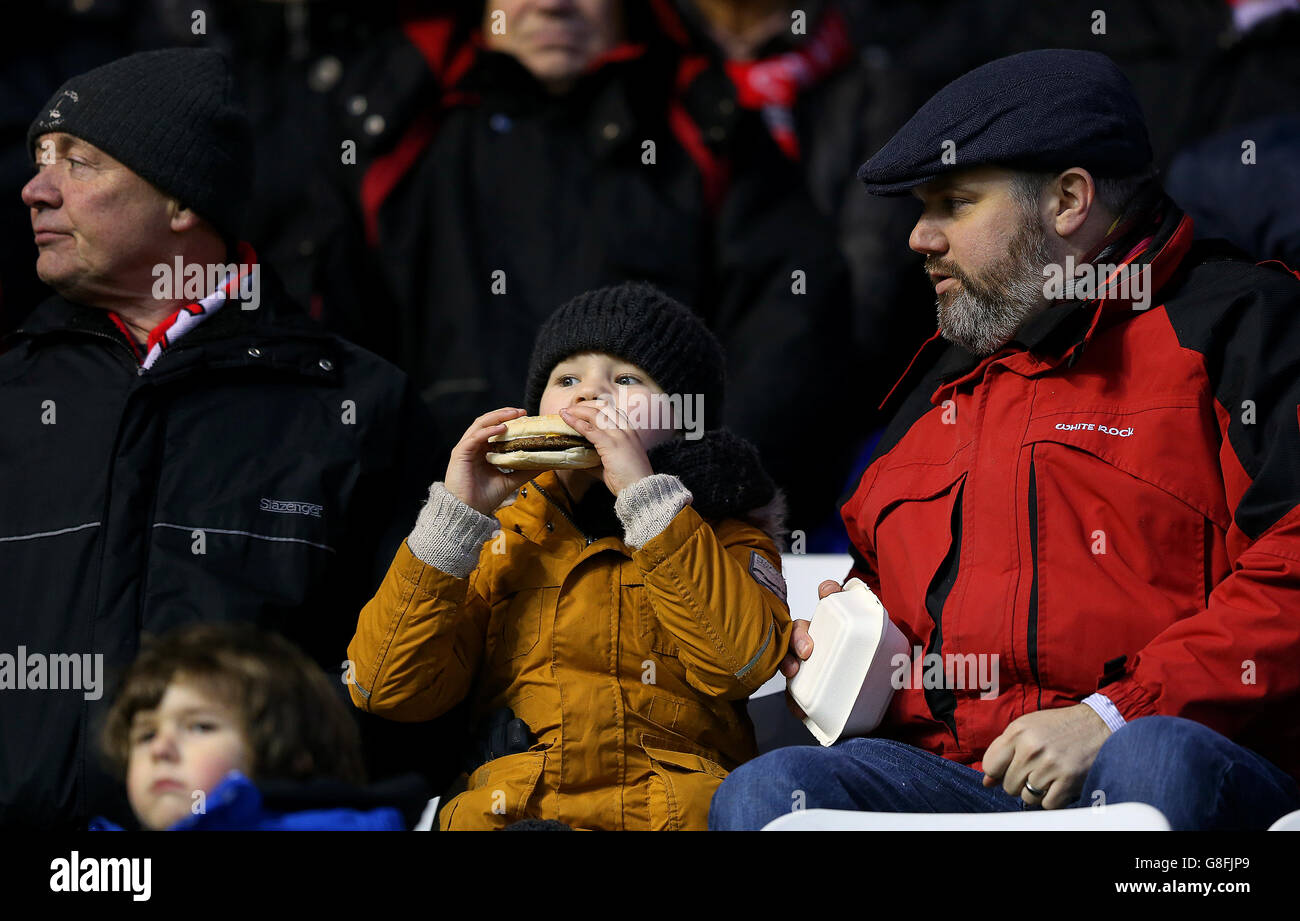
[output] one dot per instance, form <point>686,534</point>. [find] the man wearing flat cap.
<point>1085,514</point>
<point>180,443</point>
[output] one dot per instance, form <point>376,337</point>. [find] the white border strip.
<point>80,527</point>
<point>287,540</point>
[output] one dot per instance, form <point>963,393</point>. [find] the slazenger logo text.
<point>1093,427</point>
<point>290,508</point>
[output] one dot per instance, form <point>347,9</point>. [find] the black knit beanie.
<point>641,324</point>
<point>170,116</point>
<point>722,471</point>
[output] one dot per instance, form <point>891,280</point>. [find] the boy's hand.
<point>470,478</point>
<point>623,459</point>
<point>801,646</point>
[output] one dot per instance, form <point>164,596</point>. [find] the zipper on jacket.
<point>116,340</point>
<point>942,701</point>
<point>1208,551</point>
<point>1033,585</point>
<point>165,353</point>
<point>589,539</point>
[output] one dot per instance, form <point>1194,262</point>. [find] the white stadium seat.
<point>1118,817</point>
<point>1288,822</point>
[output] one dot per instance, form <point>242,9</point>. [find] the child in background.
<point>609,623</point>
<point>228,727</point>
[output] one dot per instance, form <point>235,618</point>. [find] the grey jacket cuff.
<point>449,534</point>
<point>647,506</point>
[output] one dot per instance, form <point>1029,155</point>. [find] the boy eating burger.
<point>619,613</point>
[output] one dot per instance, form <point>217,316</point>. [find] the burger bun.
<point>568,459</point>
<point>574,458</point>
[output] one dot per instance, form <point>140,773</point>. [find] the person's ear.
<point>180,217</point>
<point>1074,196</point>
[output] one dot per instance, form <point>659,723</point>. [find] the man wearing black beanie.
<point>153,143</point>
<point>181,442</point>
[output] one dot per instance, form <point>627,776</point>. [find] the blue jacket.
<point>236,805</point>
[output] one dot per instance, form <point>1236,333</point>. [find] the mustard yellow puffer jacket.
<point>631,667</point>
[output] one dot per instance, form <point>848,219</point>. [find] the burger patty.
<point>541,443</point>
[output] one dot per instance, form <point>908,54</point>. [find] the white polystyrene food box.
<point>845,686</point>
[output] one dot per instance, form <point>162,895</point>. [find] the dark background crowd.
<point>425,194</point>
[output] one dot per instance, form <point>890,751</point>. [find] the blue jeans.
<point>1197,778</point>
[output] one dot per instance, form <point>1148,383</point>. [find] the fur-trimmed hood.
<point>725,475</point>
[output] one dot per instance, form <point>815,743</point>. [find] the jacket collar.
<point>1062,331</point>
<point>233,804</point>
<point>57,313</point>
<point>600,101</point>
<point>278,336</point>
<point>540,510</point>
<point>237,804</point>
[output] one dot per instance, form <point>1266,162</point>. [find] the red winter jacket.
<point>1108,504</point>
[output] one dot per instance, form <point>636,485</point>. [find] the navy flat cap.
<point>1038,111</point>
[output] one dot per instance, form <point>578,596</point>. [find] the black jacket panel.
<point>263,470</point>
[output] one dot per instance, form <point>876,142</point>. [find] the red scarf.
<point>166,333</point>
<point>772,85</point>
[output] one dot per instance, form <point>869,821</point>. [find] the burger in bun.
<point>540,443</point>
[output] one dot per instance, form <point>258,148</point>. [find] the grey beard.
<point>983,315</point>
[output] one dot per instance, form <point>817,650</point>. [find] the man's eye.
<point>627,380</point>
<point>563,380</point>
